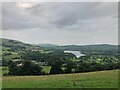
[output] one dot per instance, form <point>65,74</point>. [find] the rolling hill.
<point>98,48</point>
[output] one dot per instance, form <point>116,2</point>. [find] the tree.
<point>83,67</point>
<point>37,70</point>
<point>56,68</point>
<point>69,66</point>
<point>13,69</point>
<point>29,68</point>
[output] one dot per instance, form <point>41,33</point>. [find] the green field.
<point>46,69</point>
<point>100,79</point>
<point>4,70</point>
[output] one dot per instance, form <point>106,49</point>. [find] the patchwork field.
<point>100,79</point>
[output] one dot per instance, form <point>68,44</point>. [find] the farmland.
<point>59,45</point>
<point>34,66</point>
<point>100,79</point>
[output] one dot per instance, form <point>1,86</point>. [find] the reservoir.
<point>76,53</point>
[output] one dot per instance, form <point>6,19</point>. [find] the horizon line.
<point>58,44</point>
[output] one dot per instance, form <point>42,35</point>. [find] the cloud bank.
<point>61,23</point>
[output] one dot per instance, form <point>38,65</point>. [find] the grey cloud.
<point>67,14</point>
<point>51,15</point>
<point>62,23</point>
<point>14,17</point>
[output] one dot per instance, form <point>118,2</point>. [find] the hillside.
<point>17,45</point>
<point>49,55</point>
<point>101,79</point>
<point>17,50</point>
<point>98,48</point>
<point>14,44</point>
<point>48,45</point>
<point>11,49</point>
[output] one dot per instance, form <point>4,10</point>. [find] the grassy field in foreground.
<point>100,79</point>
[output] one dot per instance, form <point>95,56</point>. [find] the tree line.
<point>29,68</point>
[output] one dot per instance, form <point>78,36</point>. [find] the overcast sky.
<point>60,23</point>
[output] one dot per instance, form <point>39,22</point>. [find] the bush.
<point>56,68</point>
<point>27,68</point>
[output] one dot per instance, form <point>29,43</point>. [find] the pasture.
<point>99,79</point>
<point>46,69</point>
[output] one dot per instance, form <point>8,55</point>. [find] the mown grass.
<point>100,79</point>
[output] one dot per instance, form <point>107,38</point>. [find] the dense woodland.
<point>25,59</point>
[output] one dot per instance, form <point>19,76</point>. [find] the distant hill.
<point>10,43</point>
<point>12,49</point>
<point>48,45</point>
<point>106,48</point>
<point>93,48</point>
<point>16,45</point>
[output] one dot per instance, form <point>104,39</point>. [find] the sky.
<point>61,23</point>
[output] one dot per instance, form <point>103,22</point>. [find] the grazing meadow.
<point>99,79</point>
